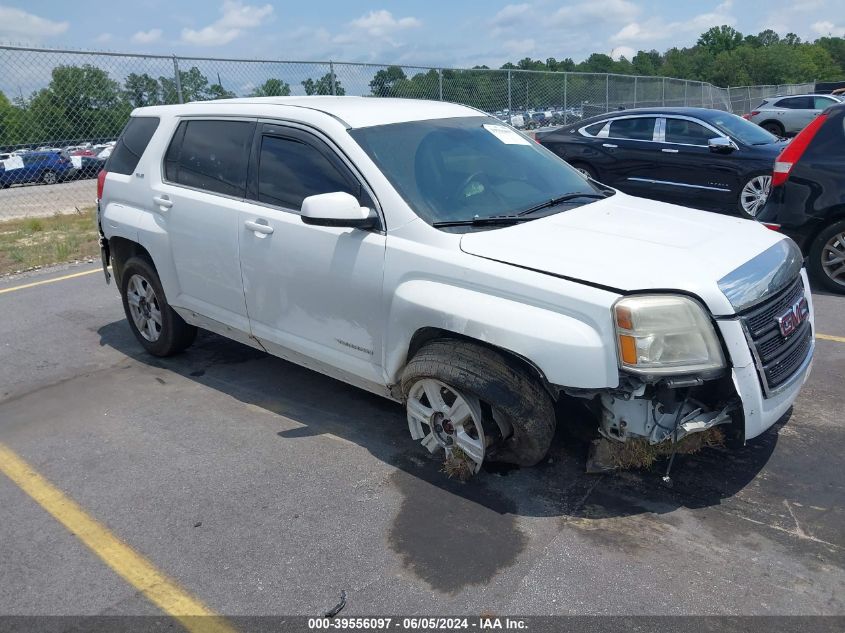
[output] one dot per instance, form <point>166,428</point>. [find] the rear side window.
<point>796,103</point>
<point>687,132</point>
<point>595,128</point>
<point>820,103</point>
<point>131,144</point>
<point>638,129</point>
<point>210,155</point>
<point>289,171</point>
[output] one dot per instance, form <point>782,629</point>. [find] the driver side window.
<point>290,170</point>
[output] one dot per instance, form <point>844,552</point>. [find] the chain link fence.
<point>61,110</point>
<point>744,99</point>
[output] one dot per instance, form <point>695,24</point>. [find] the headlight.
<point>665,334</point>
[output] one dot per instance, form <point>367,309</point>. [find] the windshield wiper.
<point>560,200</point>
<point>482,221</point>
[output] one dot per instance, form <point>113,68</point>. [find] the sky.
<point>422,32</point>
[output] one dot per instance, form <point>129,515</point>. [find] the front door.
<point>313,293</point>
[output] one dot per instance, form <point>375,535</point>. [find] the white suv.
<point>426,252</point>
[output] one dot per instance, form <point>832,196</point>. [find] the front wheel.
<point>459,395</point>
<point>154,323</point>
<point>753,195</point>
<point>827,258</point>
<point>49,177</point>
<point>585,170</point>
<point>773,127</point>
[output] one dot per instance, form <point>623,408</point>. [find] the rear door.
<point>314,293</point>
<point>197,203</point>
<point>795,112</point>
<point>631,153</point>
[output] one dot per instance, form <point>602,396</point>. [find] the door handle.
<point>669,151</point>
<point>265,229</point>
<point>611,145</point>
<point>163,201</point>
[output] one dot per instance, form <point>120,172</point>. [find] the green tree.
<point>272,88</point>
<point>194,86</point>
<point>141,90</point>
<point>217,91</point>
<point>720,39</point>
<point>323,86</point>
<point>385,80</point>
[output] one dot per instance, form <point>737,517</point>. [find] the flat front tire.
<point>461,395</point>
<point>154,323</point>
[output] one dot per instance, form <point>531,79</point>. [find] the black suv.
<point>807,200</point>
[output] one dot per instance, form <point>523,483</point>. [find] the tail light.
<point>793,152</point>
<point>101,182</point>
<point>771,225</point>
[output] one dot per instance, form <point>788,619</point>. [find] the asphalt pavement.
<point>264,488</point>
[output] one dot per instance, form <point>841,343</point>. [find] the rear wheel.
<point>773,127</point>
<point>585,169</point>
<point>827,258</point>
<point>154,323</point>
<point>464,396</point>
<point>754,194</point>
<point>49,177</point>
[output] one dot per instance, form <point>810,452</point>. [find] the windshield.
<point>469,167</point>
<point>743,131</point>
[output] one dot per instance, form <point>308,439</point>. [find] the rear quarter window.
<point>131,145</point>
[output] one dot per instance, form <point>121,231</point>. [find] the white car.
<point>428,253</point>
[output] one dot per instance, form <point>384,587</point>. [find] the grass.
<point>27,243</point>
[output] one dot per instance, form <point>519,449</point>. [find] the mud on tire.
<point>506,388</point>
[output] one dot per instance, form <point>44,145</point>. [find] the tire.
<point>825,266</point>
<point>170,335</point>
<point>49,177</point>
<point>517,413</point>
<point>773,127</point>
<point>753,195</point>
<point>585,169</point>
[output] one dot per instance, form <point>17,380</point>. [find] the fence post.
<point>177,76</point>
<point>607,93</point>
<point>686,85</point>
<point>440,82</point>
<point>331,72</point>
<point>510,99</point>
<point>565,102</point>
<point>635,91</point>
<point>663,93</point>
<point>702,94</point>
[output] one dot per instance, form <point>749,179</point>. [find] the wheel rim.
<point>144,307</point>
<point>583,172</point>
<point>833,258</point>
<point>441,417</point>
<point>754,194</point>
<point>50,178</point>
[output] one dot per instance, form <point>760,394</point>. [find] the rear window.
<point>638,129</point>
<point>210,155</point>
<point>131,144</point>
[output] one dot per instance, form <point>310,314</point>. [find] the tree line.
<point>85,103</point>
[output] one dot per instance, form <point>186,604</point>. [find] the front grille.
<point>777,357</point>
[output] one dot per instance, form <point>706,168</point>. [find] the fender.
<point>569,352</point>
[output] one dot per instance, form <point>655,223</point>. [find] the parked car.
<point>698,157</point>
<point>45,167</point>
<point>426,252</point>
<point>807,196</point>
<point>789,115</point>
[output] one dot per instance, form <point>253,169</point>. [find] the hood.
<point>626,244</point>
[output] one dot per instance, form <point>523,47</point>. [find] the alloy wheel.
<point>754,194</point>
<point>441,417</point>
<point>833,258</point>
<point>144,307</point>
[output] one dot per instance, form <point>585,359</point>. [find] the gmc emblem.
<point>797,313</point>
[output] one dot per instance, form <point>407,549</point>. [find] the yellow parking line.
<point>830,337</point>
<point>131,566</point>
<point>49,281</point>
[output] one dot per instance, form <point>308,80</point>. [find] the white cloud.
<point>16,25</point>
<point>511,15</point>
<point>382,23</point>
<point>596,12</point>
<point>622,51</point>
<point>147,37</point>
<point>236,18</point>
<point>104,38</point>
<point>519,47</point>
<point>825,28</point>
<point>656,30</point>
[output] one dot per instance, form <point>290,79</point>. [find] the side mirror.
<point>721,144</point>
<point>337,209</point>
